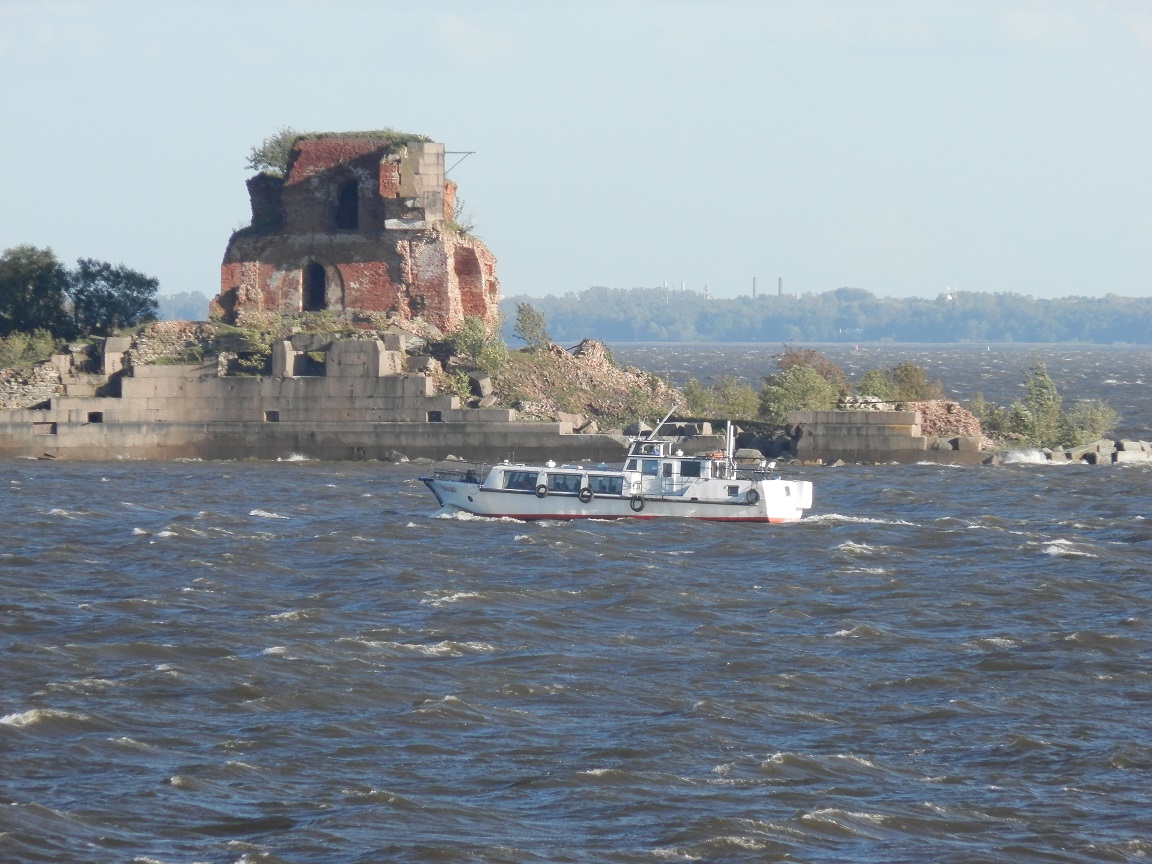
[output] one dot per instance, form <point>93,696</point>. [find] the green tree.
<point>271,155</point>
<point>33,285</point>
<point>797,388</point>
<point>875,383</point>
<point>1038,420</point>
<point>911,384</point>
<point>531,327</point>
<point>728,398</point>
<point>474,343</point>
<point>821,365</point>
<point>106,298</point>
<point>904,383</point>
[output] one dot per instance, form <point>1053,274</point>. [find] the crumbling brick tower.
<point>359,223</point>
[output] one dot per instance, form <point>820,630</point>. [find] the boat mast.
<point>665,420</point>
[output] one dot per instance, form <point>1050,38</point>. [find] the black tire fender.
<point>753,497</point>
<point>637,503</point>
<point>586,495</point>
<point>541,491</point>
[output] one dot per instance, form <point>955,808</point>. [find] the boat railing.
<point>464,474</point>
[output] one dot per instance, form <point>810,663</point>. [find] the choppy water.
<point>303,662</point>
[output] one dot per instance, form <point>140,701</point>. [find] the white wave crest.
<point>859,548</point>
<point>294,457</point>
<point>1066,549</point>
<point>447,648</point>
<point>26,719</point>
<point>449,512</point>
<point>266,514</point>
<point>448,598</point>
<point>1030,456</point>
<point>841,519</point>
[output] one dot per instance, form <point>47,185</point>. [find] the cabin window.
<point>651,467</point>
<point>524,481</point>
<point>668,469</point>
<point>348,206</point>
<point>604,485</point>
<point>564,483</point>
<point>631,465</point>
<point>689,469</point>
<point>315,288</point>
<point>733,491</point>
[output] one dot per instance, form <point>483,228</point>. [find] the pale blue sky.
<point>901,147</point>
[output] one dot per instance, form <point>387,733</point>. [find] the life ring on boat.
<point>752,497</point>
<point>713,455</point>
<point>541,491</point>
<point>585,494</point>
<point>637,503</point>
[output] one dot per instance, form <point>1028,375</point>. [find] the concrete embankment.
<point>361,406</point>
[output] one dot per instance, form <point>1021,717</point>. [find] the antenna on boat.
<point>660,425</point>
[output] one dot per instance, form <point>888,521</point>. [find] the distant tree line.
<point>842,315</point>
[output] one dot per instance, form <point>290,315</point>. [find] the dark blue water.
<point>304,662</point>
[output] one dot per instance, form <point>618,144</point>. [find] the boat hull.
<point>776,501</point>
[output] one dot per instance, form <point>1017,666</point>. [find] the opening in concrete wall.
<point>315,294</point>
<point>348,206</point>
<point>470,280</point>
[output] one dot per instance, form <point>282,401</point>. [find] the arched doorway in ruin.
<point>314,293</point>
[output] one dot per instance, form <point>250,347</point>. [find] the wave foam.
<point>266,514</point>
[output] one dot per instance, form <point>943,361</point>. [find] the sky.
<point>906,148</point>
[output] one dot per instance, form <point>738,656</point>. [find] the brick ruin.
<point>358,225</point>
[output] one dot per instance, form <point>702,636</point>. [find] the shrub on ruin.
<point>906,382</point>
<point>19,349</point>
<point>727,398</point>
<point>817,362</point>
<point>483,349</point>
<point>271,155</point>
<point>797,388</point>
<point>875,383</point>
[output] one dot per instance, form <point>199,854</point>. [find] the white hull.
<point>777,501</point>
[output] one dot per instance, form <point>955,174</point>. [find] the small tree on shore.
<point>1038,419</point>
<point>531,327</point>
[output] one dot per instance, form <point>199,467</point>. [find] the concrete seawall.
<point>335,441</point>
<point>360,407</point>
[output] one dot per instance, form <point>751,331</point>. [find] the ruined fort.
<point>360,224</point>
<point>359,227</point>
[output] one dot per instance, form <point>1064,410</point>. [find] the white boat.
<point>656,480</point>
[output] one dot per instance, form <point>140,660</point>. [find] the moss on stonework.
<point>392,136</point>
